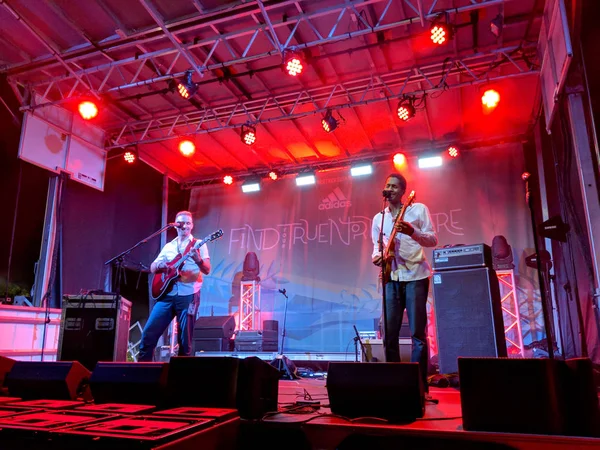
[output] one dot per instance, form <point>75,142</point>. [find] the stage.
<point>441,426</point>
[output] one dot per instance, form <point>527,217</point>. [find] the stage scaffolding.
<point>249,312</point>
<point>510,312</point>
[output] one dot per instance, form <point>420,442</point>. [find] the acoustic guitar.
<point>162,281</point>
<point>390,249</point>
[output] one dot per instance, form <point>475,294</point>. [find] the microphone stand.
<point>281,362</point>
<point>118,260</point>
<point>545,312</point>
<point>383,281</point>
<point>358,340</point>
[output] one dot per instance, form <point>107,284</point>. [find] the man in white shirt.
<point>408,285</point>
<point>182,299</point>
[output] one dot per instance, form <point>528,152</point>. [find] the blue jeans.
<point>411,295</point>
<point>184,308</point>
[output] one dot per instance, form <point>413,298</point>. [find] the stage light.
<point>273,175</point>
<point>399,160</point>
<point>130,156</point>
<point>496,25</point>
<point>431,161</point>
<point>305,179</point>
<point>329,122</point>
<point>186,87</point>
<point>250,186</point>
<point>406,110</point>
<point>453,151</point>
<point>440,33</point>
<point>293,65</point>
<point>228,179</point>
<point>364,169</point>
<point>88,109</point>
<point>187,148</point>
<point>490,98</point>
<point>248,134</point>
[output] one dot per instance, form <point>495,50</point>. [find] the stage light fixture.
<point>453,151</point>
<point>250,186</point>
<point>496,25</point>
<point>430,161</point>
<point>329,122</point>
<point>187,148</point>
<point>228,179</point>
<point>440,33</point>
<point>273,175</point>
<point>87,109</point>
<point>186,87</point>
<point>248,134</point>
<point>490,98</point>
<point>130,156</point>
<point>305,179</point>
<point>406,110</point>
<point>293,64</point>
<point>362,169</point>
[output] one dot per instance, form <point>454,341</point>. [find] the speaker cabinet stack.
<point>468,308</point>
<point>213,334</point>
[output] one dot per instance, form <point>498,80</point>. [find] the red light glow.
<point>294,66</point>
<point>399,160</point>
<point>187,148</point>
<point>406,112</point>
<point>88,110</point>
<point>228,179</point>
<point>439,34</point>
<point>273,175</point>
<point>129,157</point>
<point>453,151</point>
<point>490,98</point>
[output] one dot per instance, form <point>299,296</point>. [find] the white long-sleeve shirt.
<point>410,262</point>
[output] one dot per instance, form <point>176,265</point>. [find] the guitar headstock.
<point>410,199</point>
<point>211,237</point>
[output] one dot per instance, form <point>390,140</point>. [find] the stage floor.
<point>441,426</point>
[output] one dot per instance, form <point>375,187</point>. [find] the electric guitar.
<point>162,281</point>
<point>390,249</point>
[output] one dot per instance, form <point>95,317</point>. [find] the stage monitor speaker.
<point>48,380</point>
<point>6,365</point>
<point>537,396</point>
<point>141,383</point>
<point>468,314</point>
<point>250,385</point>
<point>94,328</point>
<point>392,391</point>
<point>210,327</point>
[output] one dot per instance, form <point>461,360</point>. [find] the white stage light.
<point>305,179</point>
<point>365,169</point>
<point>433,161</point>
<point>251,187</point>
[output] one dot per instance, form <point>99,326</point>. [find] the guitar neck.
<point>399,219</point>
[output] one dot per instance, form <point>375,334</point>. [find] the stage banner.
<point>315,241</point>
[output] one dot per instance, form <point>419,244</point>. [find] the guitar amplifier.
<point>256,341</point>
<point>462,257</point>
<point>94,327</point>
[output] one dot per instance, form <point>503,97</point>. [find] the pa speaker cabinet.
<point>210,327</point>
<point>132,383</point>
<point>6,365</point>
<point>48,380</point>
<point>94,328</point>
<point>468,315</point>
<point>392,391</point>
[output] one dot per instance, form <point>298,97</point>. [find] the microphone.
<point>386,194</point>
<point>282,291</point>
<point>175,225</point>
<point>525,176</point>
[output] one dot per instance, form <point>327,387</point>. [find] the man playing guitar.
<point>181,299</point>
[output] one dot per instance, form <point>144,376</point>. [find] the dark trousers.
<point>411,295</point>
<point>184,309</point>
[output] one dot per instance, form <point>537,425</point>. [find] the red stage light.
<point>453,151</point>
<point>228,179</point>
<point>293,65</point>
<point>248,134</point>
<point>273,175</point>
<point>88,110</point>
<point>187,148</point>
<point>439,33</point>
<point>129,157</point>
<point>399,160</point>
<point>406,111</point>
<point>490,98</point>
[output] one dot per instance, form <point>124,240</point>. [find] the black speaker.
<point>48,380</point>
<point>392,391</point>
<point>250,385</point>
<point>94,328</point>
<point>141,383</point>
<point>468,314</point>
<point>221,327</point>
<point>6,365</point>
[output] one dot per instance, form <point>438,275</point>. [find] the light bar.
<point>253,186</point>
<point>433,161</point>
<point>365,169</point>
<point>305,179</point>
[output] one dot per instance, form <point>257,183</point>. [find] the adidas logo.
<point>336,199</point>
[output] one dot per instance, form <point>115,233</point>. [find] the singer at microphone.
<point>386,194</point>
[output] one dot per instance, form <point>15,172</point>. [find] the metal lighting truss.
<point>124,69</point>
<point>511,313</point>
<point>249,312</point>
<point>476,69</point>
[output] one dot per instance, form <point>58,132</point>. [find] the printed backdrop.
<point>315,242</point>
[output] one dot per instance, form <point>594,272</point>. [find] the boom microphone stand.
<point>281,359</point>
<point>547,324</point>
<point>357,341</point>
